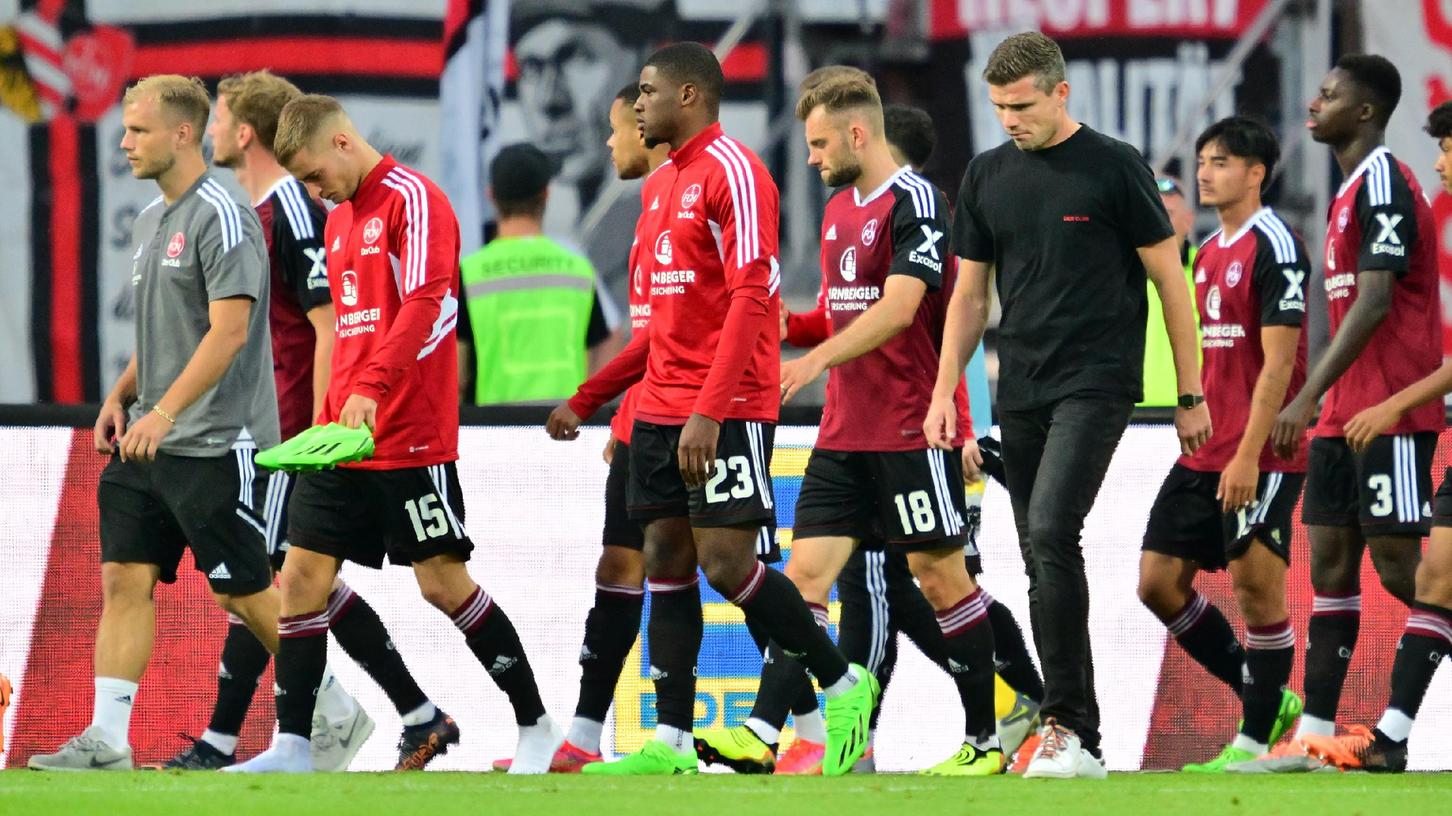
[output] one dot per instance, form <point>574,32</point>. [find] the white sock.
<point>1315,727</point>
<point>1395,724</point>
<point>1245,743</point>
<point>844,684</point>
<point>679,741</point>
<point>763,730</point>
<point>585,734</point>
<point>811,727</point>
<point>291,743</point>
<point>226,743</point>
<point>990,744</point>
<point>111,711</point>
<point>422,714</point>
<point>333,700</point>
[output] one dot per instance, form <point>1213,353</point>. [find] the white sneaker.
<point>1091,767</point>
<point>87,751</point>
<point>1060,755</point>
<point>335,743</point>
<point>536,747</point>
<point>289,754</point>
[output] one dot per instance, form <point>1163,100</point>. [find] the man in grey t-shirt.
<point>201,400</point>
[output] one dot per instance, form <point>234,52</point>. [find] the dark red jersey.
<point>293,224</point>
<point>878,401</point>
<point>393,267</point>
<point>1243,282</point>
<point>1381,220</point>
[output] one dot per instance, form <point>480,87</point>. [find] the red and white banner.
<point>1417,36</point>
<point>535,512</point>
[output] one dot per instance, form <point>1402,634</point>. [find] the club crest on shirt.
<point>349,295</point>
<point>1234,273</point>
<point>1342,217</point>
<point>869,232</point>
<point>373,230</point>
<point>663,247</point>
<point>175,246</point>
<point>848,264</point>
<point>690,196</point>
<point>1212,303</point>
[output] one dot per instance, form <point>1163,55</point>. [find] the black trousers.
<point>1055,457</point>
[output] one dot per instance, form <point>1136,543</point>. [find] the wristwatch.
<point>1190,400</point>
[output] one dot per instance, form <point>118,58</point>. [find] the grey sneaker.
<point>1278,764</point>
<point>334,744</point>
<point>86,752</point>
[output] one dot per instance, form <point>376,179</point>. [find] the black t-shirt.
<point>1062,226</point>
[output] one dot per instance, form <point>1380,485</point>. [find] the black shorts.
<point>409,514</point>
<point>620,530</point>
<point>152,512</point>
<point>1442,502</point>
<point>912,500</point>
<point>1188,522</point>
<point>1385,491</point>
<point>274,491</point>
<point>738,493</point>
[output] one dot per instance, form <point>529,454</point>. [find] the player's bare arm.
<point>884,320</point>
<point>1374,421</point>
<point>962,332</point>
<point>324,320</point>
<point>219,346</point>
<point>1239,479</point>
<point>1162,264</point>
<point>1373,303</point>
<point>111,423</point>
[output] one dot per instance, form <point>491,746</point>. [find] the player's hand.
<point>798,374</point>
<point>972,461</point>
<point>784,315</point>
<point>563,425</point>
<point>359,410</point>
<point>942,425</point>
<point>1369,424</point>
<point>1192,425</point>
<point>1290,427</point>
<point>696,451</point>
<point>110,425</point>
<point>144,437</point>
<point>609,453</point>
<point>1237,484</point>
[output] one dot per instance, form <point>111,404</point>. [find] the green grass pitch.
<point>441,794</point>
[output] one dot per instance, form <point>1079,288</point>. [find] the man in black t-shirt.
<point>1072,222</point>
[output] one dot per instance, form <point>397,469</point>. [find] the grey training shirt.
<point>204,247</point>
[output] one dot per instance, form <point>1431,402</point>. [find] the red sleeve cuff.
<point>808,328</point>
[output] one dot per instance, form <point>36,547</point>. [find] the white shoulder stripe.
<point>924,202</point>
<point>290,193</point>
<point>1378,181</point>
<point>228,219</point>
<point>1210,237</point>
<point>153,203</point>
<point>748,186</point>
<point>416,214</point>
<point>743,199</point>
<point>1280,237</point>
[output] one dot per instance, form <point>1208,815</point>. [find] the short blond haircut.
<point>183,97</point>
<point>257,99</point>
<point>301,122</point>
<point>839,88</point>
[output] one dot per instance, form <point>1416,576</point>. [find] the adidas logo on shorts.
<point>220,572</point>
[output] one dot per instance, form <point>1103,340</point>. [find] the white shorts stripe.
<point>441,486</point>
<point>758,464</point>
<point>949,518</point>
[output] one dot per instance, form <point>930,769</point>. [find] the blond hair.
<point>1030,53</point>
<point>257,99</point>
<point>302,120</point>
<point>838,88</point>
<point>183,97</point>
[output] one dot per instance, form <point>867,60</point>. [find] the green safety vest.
<point>1161,388</point>
<point>529,302</point>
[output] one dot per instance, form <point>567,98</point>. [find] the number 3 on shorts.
<point>426,510</point>
<point>744,487</point>
<point>1382,484</point>
<point>915,511</point>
